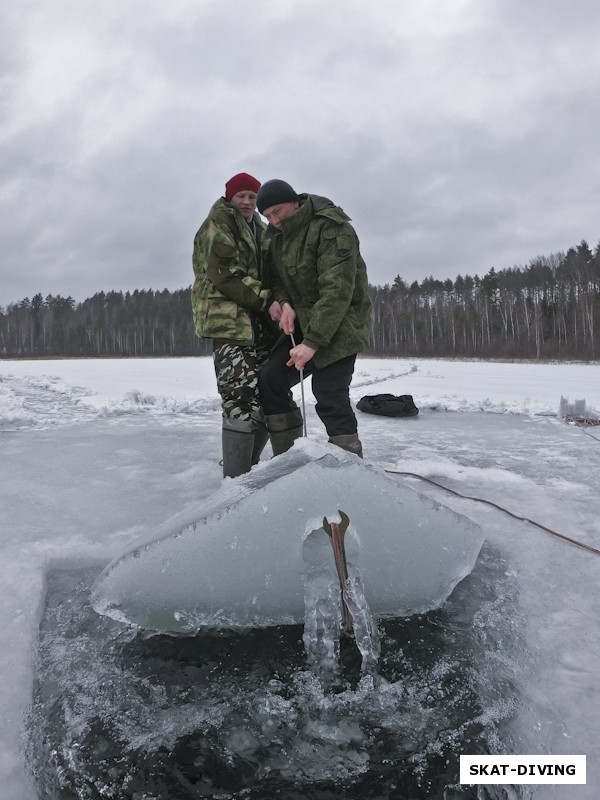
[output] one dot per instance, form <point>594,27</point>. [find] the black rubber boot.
<point>349,442</point>
<point>284,429</point>
<point>261,436</point>
<point>238,445</point>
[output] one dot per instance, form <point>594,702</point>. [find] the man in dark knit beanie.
<point>312,254</point>
<point>273,193</point>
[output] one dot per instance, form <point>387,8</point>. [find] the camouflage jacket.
<point>227,291</point>
<point>316,266</point>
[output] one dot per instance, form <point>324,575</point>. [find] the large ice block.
<point>238,559</point>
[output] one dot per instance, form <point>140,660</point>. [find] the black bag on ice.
<point>388,405</point>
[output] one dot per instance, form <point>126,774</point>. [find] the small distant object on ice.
<point>576,412</point>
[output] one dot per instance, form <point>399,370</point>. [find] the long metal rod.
<point>301,391</point>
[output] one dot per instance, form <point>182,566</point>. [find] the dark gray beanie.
<point>273,192</point>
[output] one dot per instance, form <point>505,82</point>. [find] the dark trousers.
<point>330,386</point>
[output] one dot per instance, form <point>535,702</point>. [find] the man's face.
<point>246,202</point>
<point>274,214</point>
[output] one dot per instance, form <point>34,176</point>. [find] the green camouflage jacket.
<point>227,289</point>
<point>315,265</point>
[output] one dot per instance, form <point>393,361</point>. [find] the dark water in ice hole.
<point>117,714</point>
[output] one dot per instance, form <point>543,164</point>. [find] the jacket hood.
<point>324,207</point>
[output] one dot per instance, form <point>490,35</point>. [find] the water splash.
<point>117,713</point>
<point>325,594</point>
<point>364,628</point>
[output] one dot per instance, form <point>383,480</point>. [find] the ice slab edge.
<point>236,559</point>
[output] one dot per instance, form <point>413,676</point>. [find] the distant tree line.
<point>549,309</point>
<point>139,323</point>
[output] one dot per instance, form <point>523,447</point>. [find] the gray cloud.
<point>457,136</point>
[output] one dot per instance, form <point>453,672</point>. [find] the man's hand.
<point>286,321</point>
<point>300,355</point>
<point>275,311</point>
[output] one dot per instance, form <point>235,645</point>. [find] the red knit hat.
<point>242,182</point>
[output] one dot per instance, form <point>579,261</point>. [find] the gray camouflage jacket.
<point>315,265</point>
<point>228,289</point>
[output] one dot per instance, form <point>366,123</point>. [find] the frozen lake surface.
<point>96,453</point>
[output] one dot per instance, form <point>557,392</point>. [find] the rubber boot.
<point>261,436</point>
<point>284,429</point>
<point>349,442</point>
<point>238,446</point>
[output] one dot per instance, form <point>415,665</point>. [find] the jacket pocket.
<point>223,254</point>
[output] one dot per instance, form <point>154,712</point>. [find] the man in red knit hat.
<point>233,307</point>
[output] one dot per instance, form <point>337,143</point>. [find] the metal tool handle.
<point>301,391</point>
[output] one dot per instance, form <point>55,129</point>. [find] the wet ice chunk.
<point>229,563</point>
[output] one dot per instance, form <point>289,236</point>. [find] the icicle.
<point>330,598</point>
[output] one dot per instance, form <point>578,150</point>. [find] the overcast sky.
<point>457,135</point>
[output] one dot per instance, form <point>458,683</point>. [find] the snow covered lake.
<point>95,452</point>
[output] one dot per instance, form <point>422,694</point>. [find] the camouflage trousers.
<point>236,368</point>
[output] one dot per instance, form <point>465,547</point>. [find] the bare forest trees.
<point>547,310</point>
